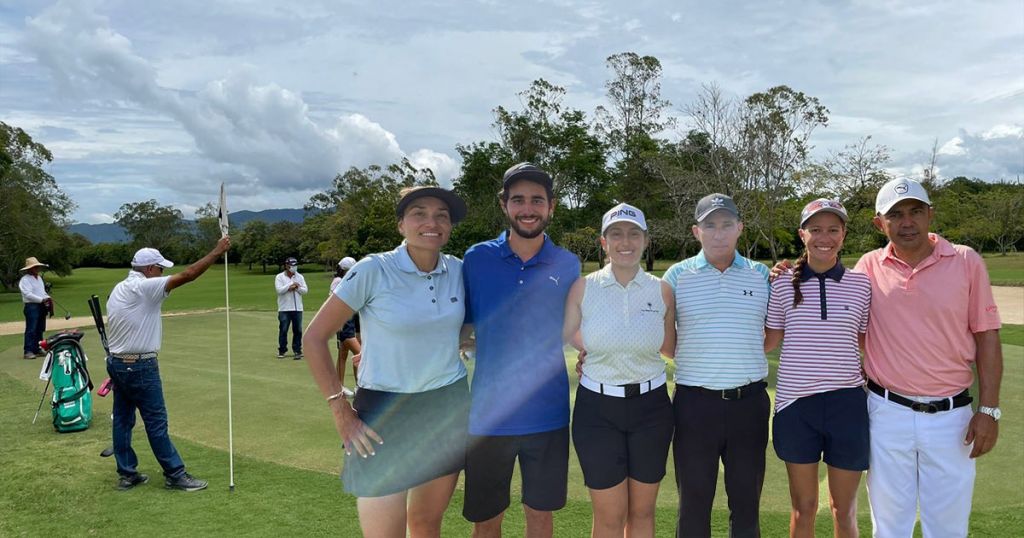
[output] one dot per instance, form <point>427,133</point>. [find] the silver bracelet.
<point>335,396</point>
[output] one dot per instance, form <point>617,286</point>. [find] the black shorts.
<point>833,423</point>
<point>424,437</point>
<point>348,330</point>
<point>543,467</point>
<point>616,438</point>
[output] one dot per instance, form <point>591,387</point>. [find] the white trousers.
<point>919,458</point>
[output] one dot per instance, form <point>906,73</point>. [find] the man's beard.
<point>525,234</point>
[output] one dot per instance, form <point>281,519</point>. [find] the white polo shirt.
<point>133,314</point>
<point>410,321</point>
<point>290,300</point>
<point>623,328</point>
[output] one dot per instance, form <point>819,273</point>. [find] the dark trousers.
<point>137,386</point>
<point>709,428</point>
<point>293,318</point>
<point>35,326</point>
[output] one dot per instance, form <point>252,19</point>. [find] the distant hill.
<point>113,233</point>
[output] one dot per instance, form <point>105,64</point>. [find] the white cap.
<point>150,256</point>
<point>623,213</point>
<point>898,190</point>
<point>347,262</point>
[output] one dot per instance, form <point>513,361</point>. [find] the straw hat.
<point>32,262</point>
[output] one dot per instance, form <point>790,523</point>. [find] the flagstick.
<point>231,444</point>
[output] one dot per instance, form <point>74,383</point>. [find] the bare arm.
<point>325,324</point>
<point>668,345</point>
<point>772,338</point>
<point>193,271</point>
<point>574,313</point>
<point>983,430</point>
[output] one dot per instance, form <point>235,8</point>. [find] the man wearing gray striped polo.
<point>721,405</point>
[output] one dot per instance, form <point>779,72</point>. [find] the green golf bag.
<point>72,399</point>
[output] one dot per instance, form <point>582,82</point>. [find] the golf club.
<point>67,313</point>
<point>41,398</point>
<point>107,385</point>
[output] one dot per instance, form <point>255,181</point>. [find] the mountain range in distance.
<point>112,232</point>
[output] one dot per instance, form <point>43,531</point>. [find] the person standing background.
<point>35,298</point>
<point>348,336</point>
<point>291,286</point>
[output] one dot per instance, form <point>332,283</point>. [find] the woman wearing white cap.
<point>348,340</point>
<point>624,318</point>
<point>404,432</point>
<point>820,315</point>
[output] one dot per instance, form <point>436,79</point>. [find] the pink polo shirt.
<point>920,335</point>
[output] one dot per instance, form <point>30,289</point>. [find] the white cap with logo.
<point>145,257</point>
<point>623,213</point>
<point>898,190</point>
<point>347,263</point>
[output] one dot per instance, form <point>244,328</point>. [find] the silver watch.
<point>993,412</point>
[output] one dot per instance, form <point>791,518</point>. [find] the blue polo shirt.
<point>517,308</point>
<point>720,319</point>
<point>410,321</point>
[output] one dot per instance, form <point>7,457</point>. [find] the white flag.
<point>223,212</point>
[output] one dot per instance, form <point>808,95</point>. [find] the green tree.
<point>775,128</point>
<point>150,224</point>
<point>356,216</point>
<point>629,127</point>
<point>33,209</point>
<point>250,244</point>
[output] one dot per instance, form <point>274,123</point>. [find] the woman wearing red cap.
<point>820,315</point>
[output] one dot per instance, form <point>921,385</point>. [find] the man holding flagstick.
<point>134,335</point>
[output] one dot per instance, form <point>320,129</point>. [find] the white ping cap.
<point>623,213</point>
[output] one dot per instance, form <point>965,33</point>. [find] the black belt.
<point>133,357</point>
<point>945,404</point>
<point>736,393</point>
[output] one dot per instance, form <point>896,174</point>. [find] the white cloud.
<point>236,120</point>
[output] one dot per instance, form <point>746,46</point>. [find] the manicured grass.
<point>287,454</point>
<point>1005,270</point>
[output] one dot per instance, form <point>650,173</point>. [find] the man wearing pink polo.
<point>932,315</point>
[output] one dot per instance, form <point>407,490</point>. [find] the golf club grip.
<point>97,316</point>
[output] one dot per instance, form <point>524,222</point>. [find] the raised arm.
<point>193,271</point>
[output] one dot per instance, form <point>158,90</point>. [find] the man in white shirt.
<point>33,294</point>
<point>134,333</point>
<point>291,286</point>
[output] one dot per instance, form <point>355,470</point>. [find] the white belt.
<point>623,391</point>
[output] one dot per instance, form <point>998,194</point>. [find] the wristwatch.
<point>993,412</point>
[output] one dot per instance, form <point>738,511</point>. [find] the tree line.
<point>756,149</point>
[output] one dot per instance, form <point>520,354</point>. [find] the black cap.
<point>713,202</point>
<point>456,207</point>
<point>527,171</point>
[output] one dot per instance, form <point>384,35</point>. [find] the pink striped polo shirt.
<point>920,341</point>
<point>820,352</point>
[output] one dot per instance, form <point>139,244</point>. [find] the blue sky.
<point>165,100</point>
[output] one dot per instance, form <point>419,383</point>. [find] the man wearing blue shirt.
<point>516,286</point>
